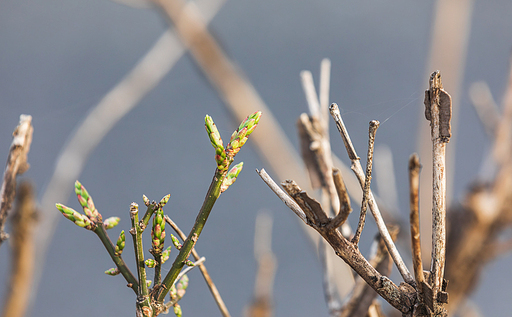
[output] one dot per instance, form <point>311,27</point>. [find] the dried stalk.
<point>358,170</point>
<point>414,184</point>
<point>374,125</point>
<point>213,289</point>
<point>16,165</point>
<point>438,112</point>
<point>22,242</point>
<point>345,209</point>
<point>261,305</point>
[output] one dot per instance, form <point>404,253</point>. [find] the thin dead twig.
<point>16,165</point>
<point>213,289</point>
<point>374,124</point>
<point>358,170</point>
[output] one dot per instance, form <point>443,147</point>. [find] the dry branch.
<point>16,165</point>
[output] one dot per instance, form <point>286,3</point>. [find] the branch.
<point>213,289</point>
<point>402,298</point>
<point>374,125</point>
<point>358,170</point>
<point>16,165</point>
<point>23,222</point>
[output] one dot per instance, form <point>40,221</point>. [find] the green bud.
<point>146,200</point>
<point>158,231</point>
<point>113,271</point>
<point>189,263</point>
<point>177,310</point>
<point>120,243</point>
<point>148,283</point>
<point>173,292</point>
<point>87,203</point>
<point>76,217</point>
<point>164,200</point>
<point>182,285</point>
<point>176,242</point>
<point>166,254</point>
<point>213,132</point>
<point>111,222</point>
<point>150,263</point>
<point>231,176</point>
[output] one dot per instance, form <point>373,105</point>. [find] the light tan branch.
<point>16,165</point>
<point>213,289</point>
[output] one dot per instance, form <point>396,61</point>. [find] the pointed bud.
<point>146,200</point>
<point>231,176</point>
<point>87,203</point>
<point>113,271</point>
<point>76,217</point>
<point>166,254</point>
<point>158,231</point>
<point>213,132</point>
<point>148,283</point>
<point>182,285</point>
<point>111,222</point>
<point>189,263</point>
<point>120,243</point>
<point>164,200</point>
<point>150,263</point>
<point>177,310</point>
<point>173,292</point>
<point>176,242</point>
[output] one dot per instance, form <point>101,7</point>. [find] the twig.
<point>309,90</point>
<point>197,263</point>
<point>288,201</point>
<point>323,94</point>
<point>438,112</point>
<point>358,170</point>
<point>23,221</point>
<point>485,107</point>
<point>136,232</point>
<point>261,305</point>
<point>345,208</point>
<point>362,295</point>
<point>213,289</point>
<point>414,184</point>
<point>374,125</point>
<point>16,165</point>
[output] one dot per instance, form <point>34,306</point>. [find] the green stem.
<point>147,216</point>
<point>136,232</point>
<point>118,260</point>
<point>188,245</point>
<point>158,268</point>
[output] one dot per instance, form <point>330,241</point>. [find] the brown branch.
<point>358,171</point>
<point>363,295</point>
<point>213,289</point>
<point>374,124</point>
<point>402,297</point>
<point>345,208</point>
<point>414,183</point>
<point>22,242</point>
<point>16,165</point>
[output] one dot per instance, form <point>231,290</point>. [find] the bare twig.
<point>358,170</point>
<point>22,243</point>
<point>438,112</point>
<point>485,107</point>
<point>345,209</point>
<point>374,124</point>
<point>213,289</point>
<point>261,305</point>
<point>16,165</point>
<point>414,183</point>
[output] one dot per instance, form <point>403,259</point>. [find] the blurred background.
<point>58,59</point>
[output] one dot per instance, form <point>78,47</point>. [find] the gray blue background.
<point>58,59</point>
